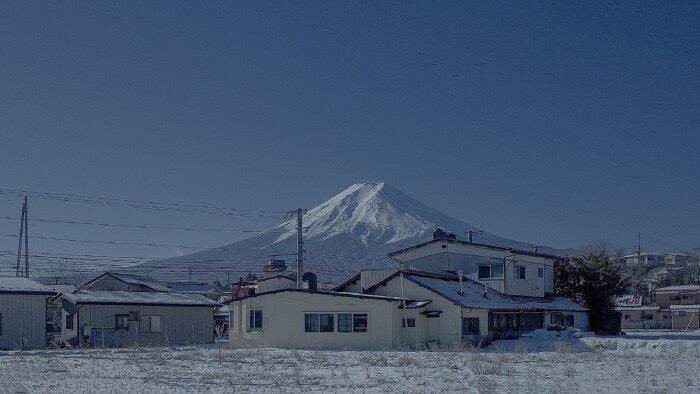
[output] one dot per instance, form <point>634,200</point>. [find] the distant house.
<point>22,313</point>
<point>644,317</point>
<point>508,270</point>
<point>683,302</point>
<point>124,282</point>
<point>190,287</point>
<point>115,310</point>
<point>275,282</point>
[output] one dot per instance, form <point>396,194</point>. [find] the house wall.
<point>632,319</point>
<point>445,256</point>
<point>369,278</point>
<point>668,298</point>
<point>275,284</point>
<point>180,325</point>
<point>446,330</point>
<point>690,321</point>
<point>283,322</point>
<point>108,283</point>
<point>23,321</point>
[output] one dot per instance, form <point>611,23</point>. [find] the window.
<point>133,315</point>
<point>344,322</point>
<point>684,297</point>
<point>675,298</point>
<point>679,313</point>
<point>519,271</point>
<point>122,322</point>
<point>318,322</point>
<point>484,272</point>
<point>492,271</point>
<point>69,321</point>
<point>569,320</point>
<point>410,322</point>
<point>0,324</point>
<point>470,326</point>
<point>627,317</point>
<point>256,319</point>
<point>540,272</point>
<point>647,317</point>
<point>497,270</point>
<point>150,324</point>
<point>359,322</point>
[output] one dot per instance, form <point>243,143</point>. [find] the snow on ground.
<point>640,362</point>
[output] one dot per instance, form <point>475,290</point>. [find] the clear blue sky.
<point>548,122</point>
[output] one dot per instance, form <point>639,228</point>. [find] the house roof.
<point>696,306</point>
<point>277,276</point>
<point>637,308</point>
<point>494,247</point>
<point>14,284</point>
<point>474,296</point>
<point>680,288</point>
<point>323,292</point>
<point>138,298</point>
<point>186,287</point>
<point>628,300</point>
<point>133,280</point>
<point>348,282</point>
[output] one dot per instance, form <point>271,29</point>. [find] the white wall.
<point>275,284</point>
<point>446,256</point>
<point>283,322</point>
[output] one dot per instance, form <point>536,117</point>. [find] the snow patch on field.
<point>606,364</point>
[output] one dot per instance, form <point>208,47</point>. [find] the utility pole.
<point>471,234</point>
<point>23,232</point>
<point>299,212</point>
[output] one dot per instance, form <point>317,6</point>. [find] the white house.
<point>508,270</point>
<point>310,319</point>
<point>441,310</point>
<point>22,313</point>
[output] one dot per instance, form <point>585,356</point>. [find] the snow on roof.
<point>141,280</point>
<point>680,288</point>
<point>474,296</point>
<point>186,287</point>
<point>138,297</point>
<point>696,306</point>
<point>637,308</point>
<point>14,284</point>
<point>625,300</point>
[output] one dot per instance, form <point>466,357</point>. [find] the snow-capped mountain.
<point>354,229</point>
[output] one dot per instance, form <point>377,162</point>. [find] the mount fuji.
<point>354,229</point>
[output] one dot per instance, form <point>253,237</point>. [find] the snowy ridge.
<point>354,229</point>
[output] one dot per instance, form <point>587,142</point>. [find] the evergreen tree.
<point>593,280</point>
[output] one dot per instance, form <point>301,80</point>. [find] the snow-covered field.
<point>641,362</point>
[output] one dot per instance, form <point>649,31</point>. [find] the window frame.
<point>540,272</point>
<point>70,317</point>
<point>520,269</point>
<point>409,322</point>
<point>347,319</point>
<point>255,320</point>
<point>150,319</point>
<point>469,323</point>
<point>314,322</point>
<point>123,318</point>
<point>355,327</point>
<point>484,266</point>
<point>0,324</point>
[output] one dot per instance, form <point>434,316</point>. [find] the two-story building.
<point>683,302</point>
<point>448,293</point>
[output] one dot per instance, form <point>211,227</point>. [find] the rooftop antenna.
<point>23,232</point>
<point>470,234</point>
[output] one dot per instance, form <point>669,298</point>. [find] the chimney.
<point>461,283</point>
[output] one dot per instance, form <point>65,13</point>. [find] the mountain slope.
<point>355,228</point>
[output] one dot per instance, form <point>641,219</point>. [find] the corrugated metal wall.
<point>23,321</point>
<point>180,325</point>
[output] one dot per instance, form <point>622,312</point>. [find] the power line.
<point>142,204</point>
<point>138,226</point>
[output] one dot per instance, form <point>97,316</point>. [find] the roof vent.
<point>310,279</point>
